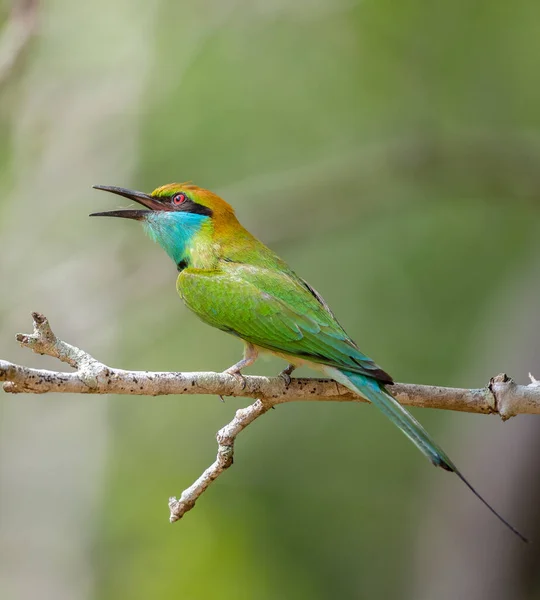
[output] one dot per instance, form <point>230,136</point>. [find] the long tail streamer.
<point>377,395</point>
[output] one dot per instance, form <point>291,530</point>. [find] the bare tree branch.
<point>224,459</point>
<point>501,396</point>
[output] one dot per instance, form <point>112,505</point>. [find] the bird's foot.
<point>250,356</point>
<point>234,371</point>
<point>286,375</point>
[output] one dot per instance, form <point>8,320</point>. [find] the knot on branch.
<point>500,386</point>
<point>511,399</point>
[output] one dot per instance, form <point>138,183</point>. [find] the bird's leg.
<point>286,374</point>
<point>250,356</point>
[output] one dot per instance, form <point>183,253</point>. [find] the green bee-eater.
<point>232,281</point>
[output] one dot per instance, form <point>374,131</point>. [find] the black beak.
<point>148,201</point>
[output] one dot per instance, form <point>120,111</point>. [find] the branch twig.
<point>224,459</point>
<point>502,396</point>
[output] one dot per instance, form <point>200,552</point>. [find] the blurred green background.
<point>390,153</point>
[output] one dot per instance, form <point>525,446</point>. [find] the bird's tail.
<point>375,392</point>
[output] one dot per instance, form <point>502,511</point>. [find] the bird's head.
<point>177,216</point>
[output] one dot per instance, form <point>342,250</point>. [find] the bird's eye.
<point>178,199</point>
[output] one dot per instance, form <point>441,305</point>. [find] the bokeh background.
<point>390,152</point>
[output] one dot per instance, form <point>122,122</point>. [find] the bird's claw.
<point>237,375</point>
<point>286,375</point>
<point>286,378</point>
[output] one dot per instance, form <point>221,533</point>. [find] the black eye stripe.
<point>188,205</point>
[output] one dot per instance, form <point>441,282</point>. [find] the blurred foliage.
<point>389,152</point>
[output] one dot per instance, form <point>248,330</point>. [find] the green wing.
<point>275,310</point>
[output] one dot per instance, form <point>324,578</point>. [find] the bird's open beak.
<point>148,201</point>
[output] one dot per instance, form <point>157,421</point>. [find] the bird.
<point>233,282</point>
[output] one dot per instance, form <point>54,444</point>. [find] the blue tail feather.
<point>376,393</point>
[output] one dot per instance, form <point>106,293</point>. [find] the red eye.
<point>178,199</point>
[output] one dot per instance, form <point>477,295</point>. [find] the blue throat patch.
<point>174,231</point>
